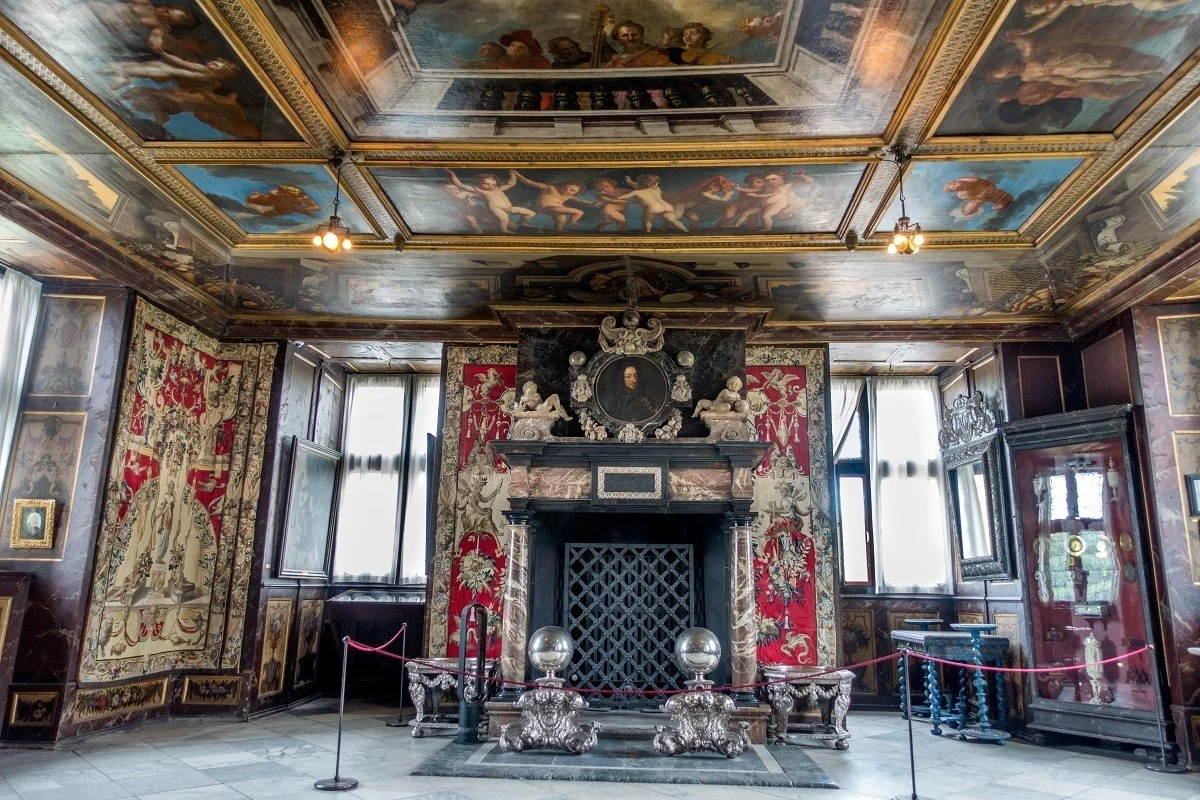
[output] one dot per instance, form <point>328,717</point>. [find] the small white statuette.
<point>532,416</point>
<point>730,417</point>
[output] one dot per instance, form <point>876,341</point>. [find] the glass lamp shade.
<point>333,236</point>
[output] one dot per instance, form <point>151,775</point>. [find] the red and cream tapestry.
<point>793,537</point>
<point>174,551</point>
<point>471,539</point>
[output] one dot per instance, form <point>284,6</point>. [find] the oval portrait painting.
<point>632,389</point>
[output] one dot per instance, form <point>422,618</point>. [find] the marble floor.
<point>277,757</point>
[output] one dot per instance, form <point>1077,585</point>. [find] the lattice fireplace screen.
<point>624,605</point>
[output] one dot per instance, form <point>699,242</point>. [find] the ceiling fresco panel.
<point>795,199</point>
<point>163,67</point>
<point>1072,66</point>
<point>997,195</point>
<point>44,149</point>
<point>463,69</point>
<point>276,199</point>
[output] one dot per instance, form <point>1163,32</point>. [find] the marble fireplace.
<point>691,496</point>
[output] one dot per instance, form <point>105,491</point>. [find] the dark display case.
<point>1083,564</point>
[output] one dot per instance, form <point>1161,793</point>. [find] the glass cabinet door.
<point>1081,552</point>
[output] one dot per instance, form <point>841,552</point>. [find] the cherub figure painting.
<point>492,193</point>
<point>671,200</point>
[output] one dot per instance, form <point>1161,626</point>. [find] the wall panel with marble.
<point>60,451</point>
<point>1168,351</point>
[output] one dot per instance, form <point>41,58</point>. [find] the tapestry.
<point>205,690</point>
<point>471,537</point>
<point>277,625</point>
<point>64,357</point>
<point>44,464</point>
<point>174,551</point>
<point>96,703</point>
<point>308,640</point>
<point>794,554</point>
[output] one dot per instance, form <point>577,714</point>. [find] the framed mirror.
<point>970,446</point>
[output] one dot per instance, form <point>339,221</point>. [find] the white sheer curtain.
<point>369,502</point>
<point>912,543</point>
<point>844,394</point>
<point>19,298</point>
<point>426,391</point>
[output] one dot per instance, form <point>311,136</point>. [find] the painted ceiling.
<point>529,159</point>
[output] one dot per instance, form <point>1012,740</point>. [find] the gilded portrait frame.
<point>22,505</point>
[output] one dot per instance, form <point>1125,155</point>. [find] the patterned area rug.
<point>631,761</point>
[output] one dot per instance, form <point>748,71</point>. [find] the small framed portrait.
<point>633,389</point>
<point>32,524</point>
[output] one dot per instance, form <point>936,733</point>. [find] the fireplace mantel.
<point>679,476</point>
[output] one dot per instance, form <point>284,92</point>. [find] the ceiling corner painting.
<point>431,69</point>
<point>165,68</point>
<point>980,196</point>
<point>1073,66</point>
<point>274,199</point>
<point>811,198</point>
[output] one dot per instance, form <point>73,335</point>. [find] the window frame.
<point>402,498</point>
<point>857,468</point>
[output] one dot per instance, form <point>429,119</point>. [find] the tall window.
<point>19,298</point>
<point>853,477</point>
<point>912,547</point>
<point>381,528</point>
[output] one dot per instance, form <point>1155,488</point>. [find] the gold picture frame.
<point>25,535</point>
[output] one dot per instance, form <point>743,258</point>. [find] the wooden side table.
<point>828,693</point>
<point>428,681</point>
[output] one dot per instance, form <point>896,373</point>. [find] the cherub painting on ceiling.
<point>997,195</point>
<point>535,34</point>
<point>1068,66</point>
<point>785,199</point>
<point>274,198</point>
<point>162,66</point>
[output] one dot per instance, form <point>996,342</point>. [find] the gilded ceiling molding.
<point>265,47</point>
<point>1140,135</point>
<point>117,137</point>
<point>641,154</point>
<point>371,200</point>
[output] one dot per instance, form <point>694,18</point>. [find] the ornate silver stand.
<point>428,681</point>
<point>701,722</point>
<point>548,721</point>
<point>829,693</point>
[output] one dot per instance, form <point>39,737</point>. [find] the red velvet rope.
<point>1032,670</point>
<point>381,650</point>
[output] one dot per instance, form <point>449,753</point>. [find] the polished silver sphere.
<point>685,359</point>
<point>577,359</point>
<point>550,649</point>
<point>631,318</point>
<point>698,651</point>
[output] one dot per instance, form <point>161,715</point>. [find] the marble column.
<point>514,627</point>
<point>743,627</point>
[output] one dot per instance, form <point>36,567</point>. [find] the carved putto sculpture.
<point>532,416</point>
<point>730,417</point>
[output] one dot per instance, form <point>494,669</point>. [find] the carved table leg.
<point>416,692</point>
<point>935,699</point>
<point>782,703</point>
<point>837,714</point>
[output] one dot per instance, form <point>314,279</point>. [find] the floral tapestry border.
<point>448,528</point>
